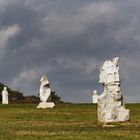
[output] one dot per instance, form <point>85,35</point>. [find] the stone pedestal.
<point>46,105</point>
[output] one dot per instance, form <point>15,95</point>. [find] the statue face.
<point>113,88</point>
<point>94,92</point>
<point>44,77</point>
<point>117,95</point>
<point>5,88</point>
<point>115,60</point>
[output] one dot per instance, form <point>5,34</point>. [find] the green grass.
<point>66,121</point>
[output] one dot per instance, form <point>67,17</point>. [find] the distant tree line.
<point>16,96</point>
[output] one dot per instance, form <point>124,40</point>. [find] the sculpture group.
<point>110,102</point>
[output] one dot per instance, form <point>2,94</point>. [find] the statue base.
<point>46,105</point>
<point>110,110</point>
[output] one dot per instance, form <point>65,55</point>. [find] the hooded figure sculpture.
<point>110,102</point>
<point>45,93</point>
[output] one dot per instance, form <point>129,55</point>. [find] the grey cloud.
<point>69,40</point>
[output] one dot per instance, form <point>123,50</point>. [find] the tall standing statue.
<point>94,97</point>
<point>110,102</point>
<point>45,93</point>
<point>5,96</point>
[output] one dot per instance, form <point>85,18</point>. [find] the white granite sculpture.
<point>45,93</point>
<point>110,102</point>
<point>94,97</point>
<point>5,96</point>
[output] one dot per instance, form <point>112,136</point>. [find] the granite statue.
<point>45,93</point>
<point>5,96</point>
<point>110,102</point>
<point>94,97</point>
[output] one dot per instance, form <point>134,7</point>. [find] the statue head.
<point>44,78</point>
<point>5,88</point>
<point>94,92</point>
<point>115,60</point>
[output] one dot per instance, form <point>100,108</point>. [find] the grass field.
<point>66,121</point>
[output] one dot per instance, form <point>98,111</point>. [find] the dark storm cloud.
<point>69,40</point>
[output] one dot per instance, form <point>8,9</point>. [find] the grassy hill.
<point>65,122</point>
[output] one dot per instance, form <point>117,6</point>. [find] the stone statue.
<point>110,102</point>
<point>94,97</point>
<point>45,93</point>
<point>5,96</point>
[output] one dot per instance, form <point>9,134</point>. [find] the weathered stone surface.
<point>46,105</point>
<point>5,96</point>
<point>94,97</point>
<point>110,102</point>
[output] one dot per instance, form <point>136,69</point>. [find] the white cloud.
<point>7,33</point>
<point>27,77</point>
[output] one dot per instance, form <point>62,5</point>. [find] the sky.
<point>69,40</point>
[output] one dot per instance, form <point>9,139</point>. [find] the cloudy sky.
<point>68,40</point>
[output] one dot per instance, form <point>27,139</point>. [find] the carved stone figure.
<point>5,96</point>
<point>94,96</point>
<point>45,93</point>
<point>110,102</point>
